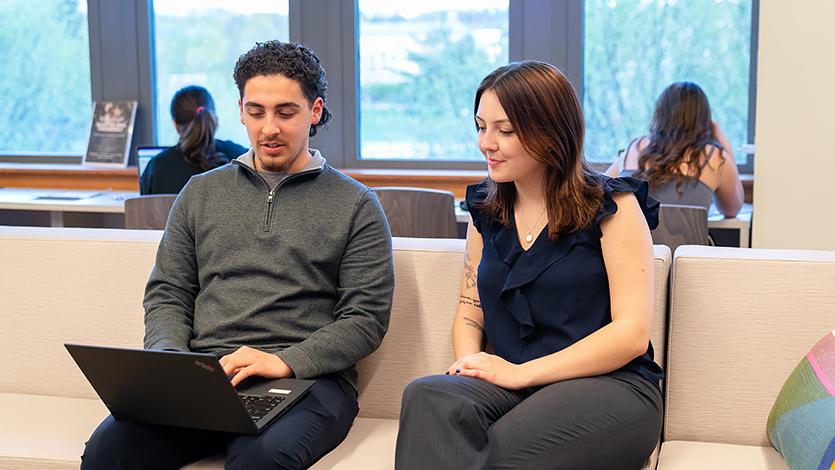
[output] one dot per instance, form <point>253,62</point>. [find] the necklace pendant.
<point>528,238</point>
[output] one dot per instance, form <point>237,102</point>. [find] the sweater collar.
<point>317,162</point>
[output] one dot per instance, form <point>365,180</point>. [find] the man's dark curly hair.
<point>290,60</point>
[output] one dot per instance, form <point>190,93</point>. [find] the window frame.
<point>122,65</point>
<point>748,166</point>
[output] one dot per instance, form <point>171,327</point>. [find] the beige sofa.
<point>85,286</point>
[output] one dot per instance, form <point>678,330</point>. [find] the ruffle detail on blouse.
<point>476,195</point>
<point>627,184</point>
<point>542,255</point>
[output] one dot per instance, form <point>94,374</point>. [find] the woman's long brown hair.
<point>545,113</point>
<point>193,110</point>
<point>680,132</point>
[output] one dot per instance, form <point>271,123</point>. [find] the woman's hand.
<point>491,368</point>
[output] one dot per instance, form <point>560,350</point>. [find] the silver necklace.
<point>529,234</point>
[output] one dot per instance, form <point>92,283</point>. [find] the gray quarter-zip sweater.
<point>303,271</point>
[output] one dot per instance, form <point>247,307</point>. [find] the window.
<point>198,43</point>
<point>45,100</point>
<point>406,102</point>
<point>635,48</point>
<point>420,64</point>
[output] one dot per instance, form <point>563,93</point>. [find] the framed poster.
<point>110,133</point>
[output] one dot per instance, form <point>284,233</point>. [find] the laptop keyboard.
<point>259,405</point>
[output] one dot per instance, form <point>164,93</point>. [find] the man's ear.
<point>318,105</point>
<point>241,111</point>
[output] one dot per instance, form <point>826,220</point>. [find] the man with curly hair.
<point>278,264</point>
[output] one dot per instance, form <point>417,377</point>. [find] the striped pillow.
<point>801,425</point>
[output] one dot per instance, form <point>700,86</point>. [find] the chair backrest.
<point>681,225</point>
<point>419,212</point>
<point>68,285</point>
<point>148,212</point>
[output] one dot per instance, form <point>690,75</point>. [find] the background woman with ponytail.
<point>193,112</point>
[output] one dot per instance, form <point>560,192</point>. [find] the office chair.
<point>419,212</point>
<point>681,225</point>
<point>148,212</point>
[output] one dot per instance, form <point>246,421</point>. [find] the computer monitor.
<point>144,154</point>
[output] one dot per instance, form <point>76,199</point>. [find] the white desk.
<point>741,222</point>
<point>715,220</point>
<point>19,205</point>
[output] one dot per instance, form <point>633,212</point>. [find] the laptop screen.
<point>144,155</point>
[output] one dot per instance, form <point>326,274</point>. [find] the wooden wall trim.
<point>62,176</point>
<point>748,187</point>
<point>455,181</point>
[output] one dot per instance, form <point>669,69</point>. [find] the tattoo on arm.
<point>469,301</point>
<point>474,324</point>
<point>469,273</point>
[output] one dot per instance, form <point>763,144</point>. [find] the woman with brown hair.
<point>559,281</point>
<point>686,157</point>
<point>193,113</point>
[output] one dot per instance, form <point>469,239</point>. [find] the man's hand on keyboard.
<point>247,362</point>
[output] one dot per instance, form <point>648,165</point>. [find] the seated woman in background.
<point>686,158</point>
<point>193,112</point>
<point>559,279</point>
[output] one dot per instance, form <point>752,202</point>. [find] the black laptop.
<point>183,389</point>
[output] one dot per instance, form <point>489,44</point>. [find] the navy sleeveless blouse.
<point>543,300</point>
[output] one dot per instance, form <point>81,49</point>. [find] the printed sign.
<point>110,133</point>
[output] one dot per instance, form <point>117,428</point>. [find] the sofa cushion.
<point>800,425</point>
<point>739,320</point>
<point>690,455</point>
<point>658,332</point>
<point>427,275</point>
<point>68,286</point>
<point>41,432</point>
<point>369,446</point>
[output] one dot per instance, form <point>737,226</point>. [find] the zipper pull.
<point>270,198</point>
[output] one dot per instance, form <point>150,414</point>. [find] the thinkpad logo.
<point>204,366</point>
